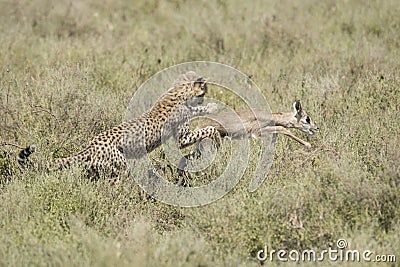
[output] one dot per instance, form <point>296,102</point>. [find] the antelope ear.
<point>297,107</point>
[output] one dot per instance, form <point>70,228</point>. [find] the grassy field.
<point>69,68</point>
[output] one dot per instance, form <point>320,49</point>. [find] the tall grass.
<point>68,70</point>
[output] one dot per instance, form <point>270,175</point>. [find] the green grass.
<point>68,71</point>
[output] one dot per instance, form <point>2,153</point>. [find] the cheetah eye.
<point>308,120</point>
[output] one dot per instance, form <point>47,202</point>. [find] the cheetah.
<point>169,117</point>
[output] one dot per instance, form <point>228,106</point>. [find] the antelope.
<point>256,123</point>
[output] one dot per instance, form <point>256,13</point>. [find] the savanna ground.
<point>68,70</point>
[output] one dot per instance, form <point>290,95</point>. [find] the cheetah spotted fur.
<point>169,117</point>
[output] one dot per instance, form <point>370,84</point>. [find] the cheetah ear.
<point>297,107</point>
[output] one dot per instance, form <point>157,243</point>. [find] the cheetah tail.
<point>24,155</point>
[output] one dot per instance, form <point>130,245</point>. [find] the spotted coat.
<point>169,117</point>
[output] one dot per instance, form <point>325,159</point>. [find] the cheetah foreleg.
<point>191,137</point>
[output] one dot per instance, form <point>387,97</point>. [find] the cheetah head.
<point>199,89</point>
<point>190,88</point>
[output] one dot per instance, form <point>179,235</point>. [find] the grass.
<point>68,71</point>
